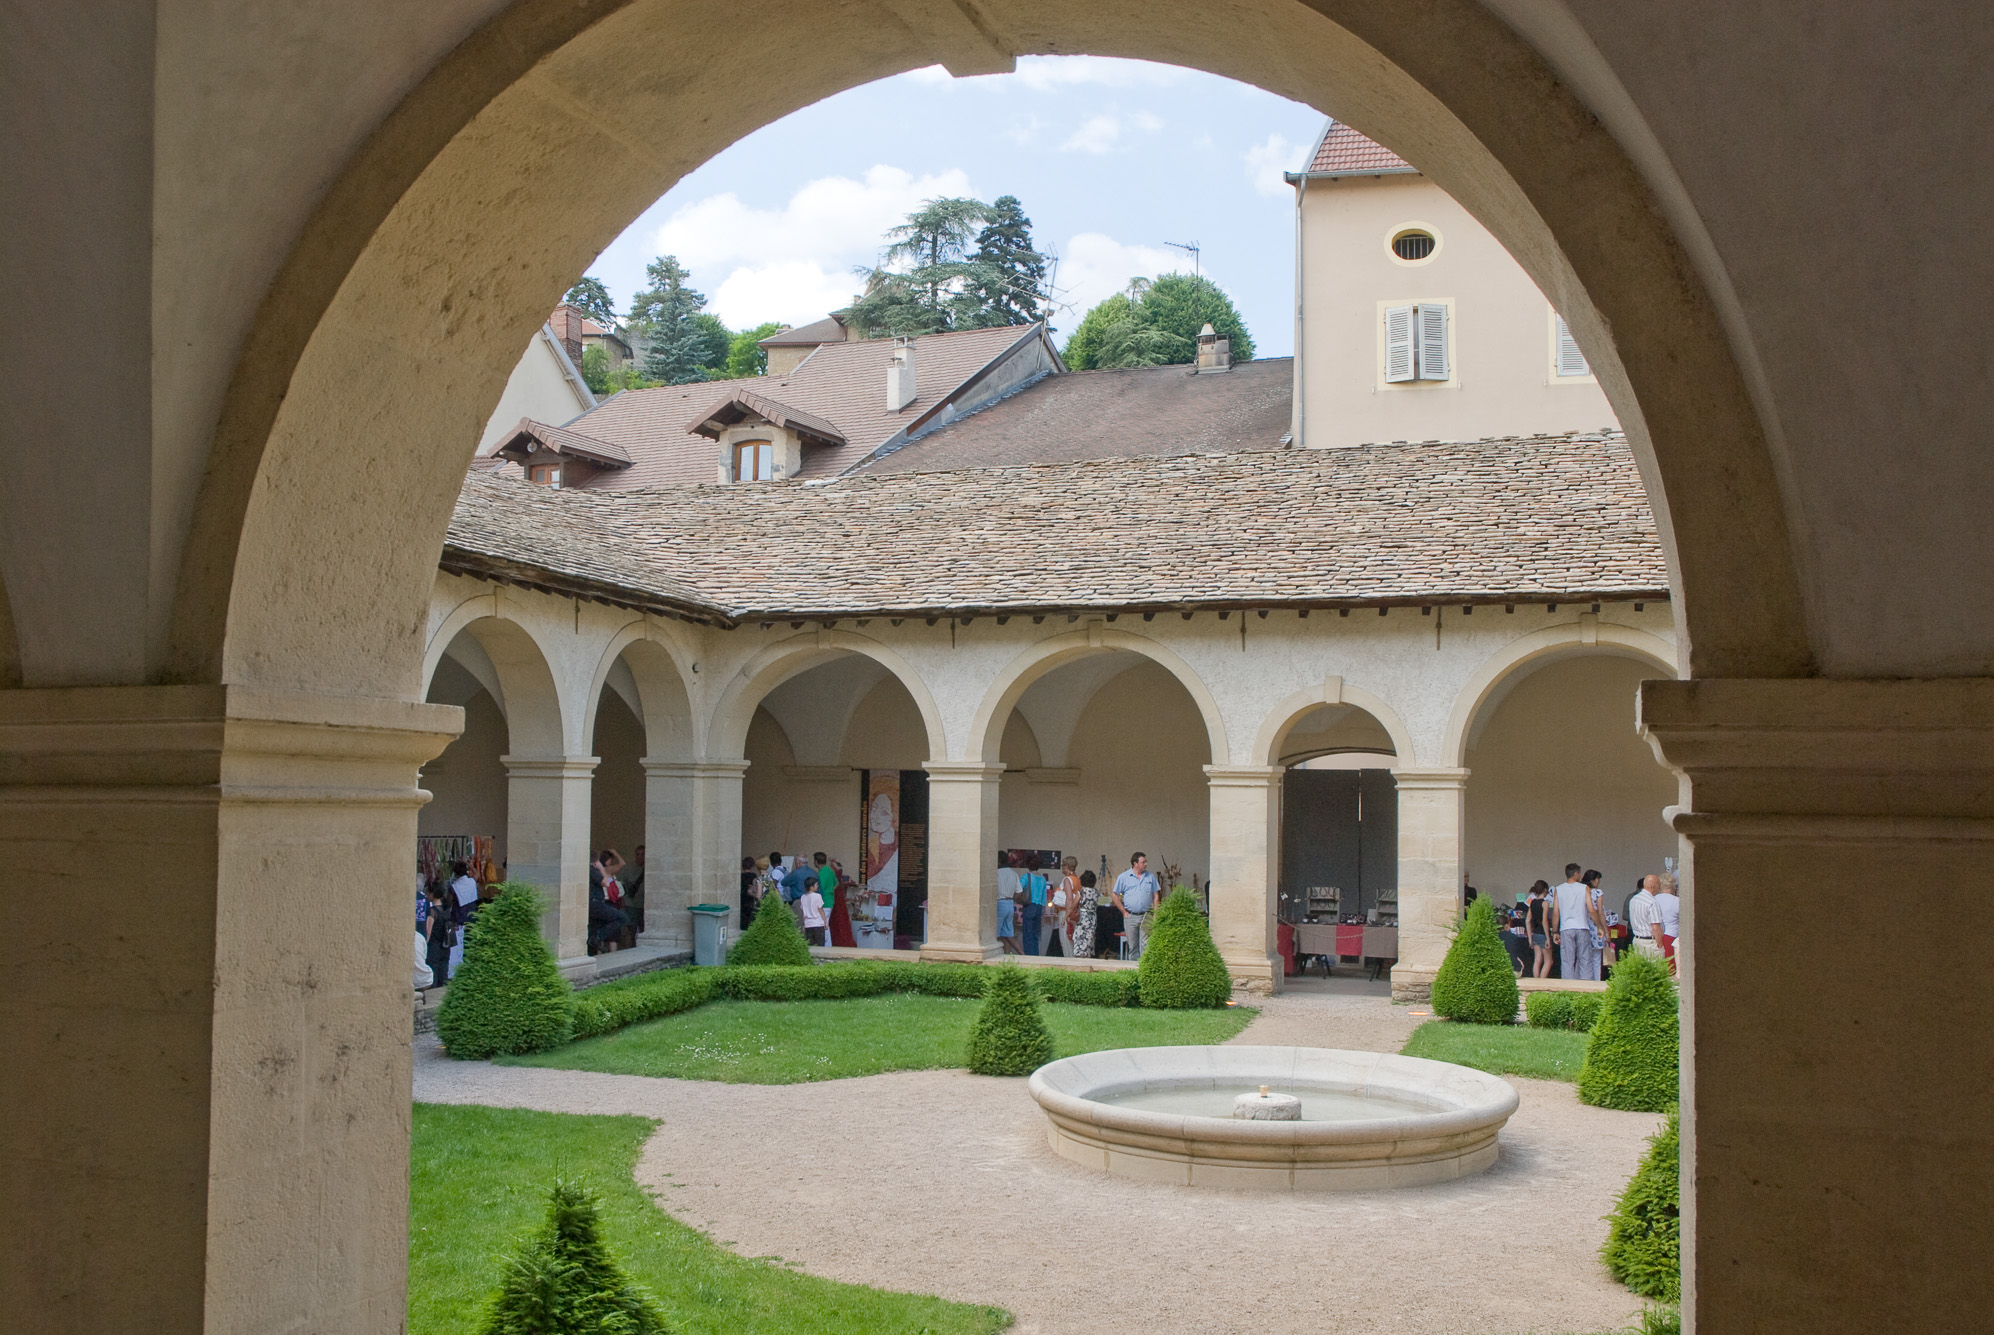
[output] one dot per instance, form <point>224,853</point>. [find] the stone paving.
<point>941,1182</point>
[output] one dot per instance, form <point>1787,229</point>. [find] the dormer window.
<point>545,475</point>
<point>754,460</point>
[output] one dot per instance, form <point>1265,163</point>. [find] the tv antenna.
<point>1197,267</point>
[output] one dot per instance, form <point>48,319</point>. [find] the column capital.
<point>1244,776</point>
<point>1429,776</point>
<point>694,769</point>
<point>1798,756</point>
<point>549,767</point>
<point>962,771</point>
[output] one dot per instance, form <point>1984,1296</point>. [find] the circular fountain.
<point>1287,1119</point>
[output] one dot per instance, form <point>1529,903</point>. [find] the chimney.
<point>567,323</point>
<point>1214,353</point>
<point>900,389</point>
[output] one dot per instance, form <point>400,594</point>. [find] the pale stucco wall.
<point>1503,382</point>
<point>617,793</point>
<point>538,388</point>
<point>467,782</point>
<point>1558,774</point>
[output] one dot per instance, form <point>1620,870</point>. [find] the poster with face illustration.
<point>873,909</point>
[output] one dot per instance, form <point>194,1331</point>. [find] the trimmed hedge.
<point>508,995</point>
<point>1643,1247</point>
<point>612,1005</point>
<point>773,937</point>
<point>1631,1062</point>
<point>1564,1010</point>
<point>1181,968</point>
<point>1476,982</point>
<point>563,1281</point>
<point>1009,1037</point>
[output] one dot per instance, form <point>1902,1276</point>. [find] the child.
<point>812,904</point>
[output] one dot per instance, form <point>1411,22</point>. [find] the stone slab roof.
<point>830,329</point>
<point>1535,519</point>
<point>1343,152</point>
<point>843,384</point>
<point>562,441</point>
<point>1150,410</point>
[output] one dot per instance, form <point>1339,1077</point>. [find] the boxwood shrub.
<point>1563,1010</point>
<point>1009,1036</point>
<point>1632,1059</point>
<point>1476,982</point>
<point>772,938</point>
<point>1181,968</point>
<point>1643,1247</point>
<point>610,1006</point>
<point>564,1278</point>
<point>508,995</point>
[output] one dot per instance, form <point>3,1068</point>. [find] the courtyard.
<point>941,1182</point>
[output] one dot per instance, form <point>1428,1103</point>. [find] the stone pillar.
<point>205,1006</point>
<point>962,861</point>
<point>1430,802</point>
<point>1835,1114</point>
<point>1246,871</point>
<point>692,812</point>
<point>547,844</point>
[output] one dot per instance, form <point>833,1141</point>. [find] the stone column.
<point>547,844</point>
<point>1430,803</point>
<point>205,1006</point>
<point>1835,1116</point>
<point>1246,871</point>
<point>962,861</point>
<point>692,811</point>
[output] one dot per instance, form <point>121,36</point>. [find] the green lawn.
<point>479,1179</point>
<point>788,1042</point>
<point>1541,1054</point>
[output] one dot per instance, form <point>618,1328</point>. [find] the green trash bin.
<point>709,922</point>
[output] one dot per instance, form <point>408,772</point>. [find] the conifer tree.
<point>1009,1036</point>
<point>564,1281</point>
<point>591,298</point>
<point>1006,278</point>
<point>508,995</point>
<point>1476,981</point>
<point>1181,967</point>
<point>664,314</point>
<point>1633,1059</point>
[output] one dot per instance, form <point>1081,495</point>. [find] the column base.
<point>577,969</point>
<point>961,954</point>
<point>1411,983</point>
<point>1256,974</point>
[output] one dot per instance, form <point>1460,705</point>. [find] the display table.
<point>1346,940</point>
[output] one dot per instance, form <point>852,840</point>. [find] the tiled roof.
<point>1343,152</point>
<point>1152,410</point>
<point>842,383</point>
<point>827,330</point>
<point>1536,519</point>
<point>744,402</point>
<point>563,441</point>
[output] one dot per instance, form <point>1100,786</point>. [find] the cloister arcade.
<point>589,725</point>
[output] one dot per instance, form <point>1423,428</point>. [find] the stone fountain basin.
<point>1451,1132</point>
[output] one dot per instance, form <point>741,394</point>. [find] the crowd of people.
<point>616,907</point>
<point>816,889</point>
<point>1060,910</point>
<point>1567,931</point>
<point>442,908</point>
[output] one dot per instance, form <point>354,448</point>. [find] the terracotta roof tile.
<point>1343,152</point>
<point>1541,519</point>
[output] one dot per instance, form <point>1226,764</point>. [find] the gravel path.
<point>941,1182</point>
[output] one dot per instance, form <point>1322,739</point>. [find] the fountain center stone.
<point>1266,1107</point>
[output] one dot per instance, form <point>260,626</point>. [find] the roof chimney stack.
<point>1214,353</point>
<point>900,389</point>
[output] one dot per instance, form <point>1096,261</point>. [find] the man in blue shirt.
<point>1135,894</point>
<point>796,880</point>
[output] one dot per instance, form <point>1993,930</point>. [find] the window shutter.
<point>1433,343</point>
<point>1398,344</point>
<point>1570,360</point>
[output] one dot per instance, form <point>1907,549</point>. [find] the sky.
<point>1111,159</point>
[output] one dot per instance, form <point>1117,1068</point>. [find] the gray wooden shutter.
<point>1432,322</point>
<point>1399,362</point>
<point>1570,360</point>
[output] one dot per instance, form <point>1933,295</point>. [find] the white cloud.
<point>1103,133</point>
<point>792,291</point>
<point>1096,266</point>
<point>1044,73</point>
<point>1266,162</point>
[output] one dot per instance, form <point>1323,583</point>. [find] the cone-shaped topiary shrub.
<point>1476,982</point>
<point>1181,968</point>
<point>508,996</point>
<point>565,1282</point>
<point>1631,1061</point>
<point>1009,1037</point>
<point>1644,1239</point>
<point>773,937</point>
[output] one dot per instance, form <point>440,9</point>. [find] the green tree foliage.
<point>592,298</point>
<point>1632,1060</point>
<point>745,356</point>
<point>922,270</point>
<point>773,937</point>
<point>1006,278</point>
<point>1643,1247</point>
<point>1181,968</point>
<point>1009,1036</point>
<point>714,342</point>
<point>1155,322</point>
<point>508,996</point>
<point>1476,982</point>
<point>563,1280</point>
<point>667,313</point>
<point>595,369</point>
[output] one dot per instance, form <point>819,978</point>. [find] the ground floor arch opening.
<point>1337,892</point>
